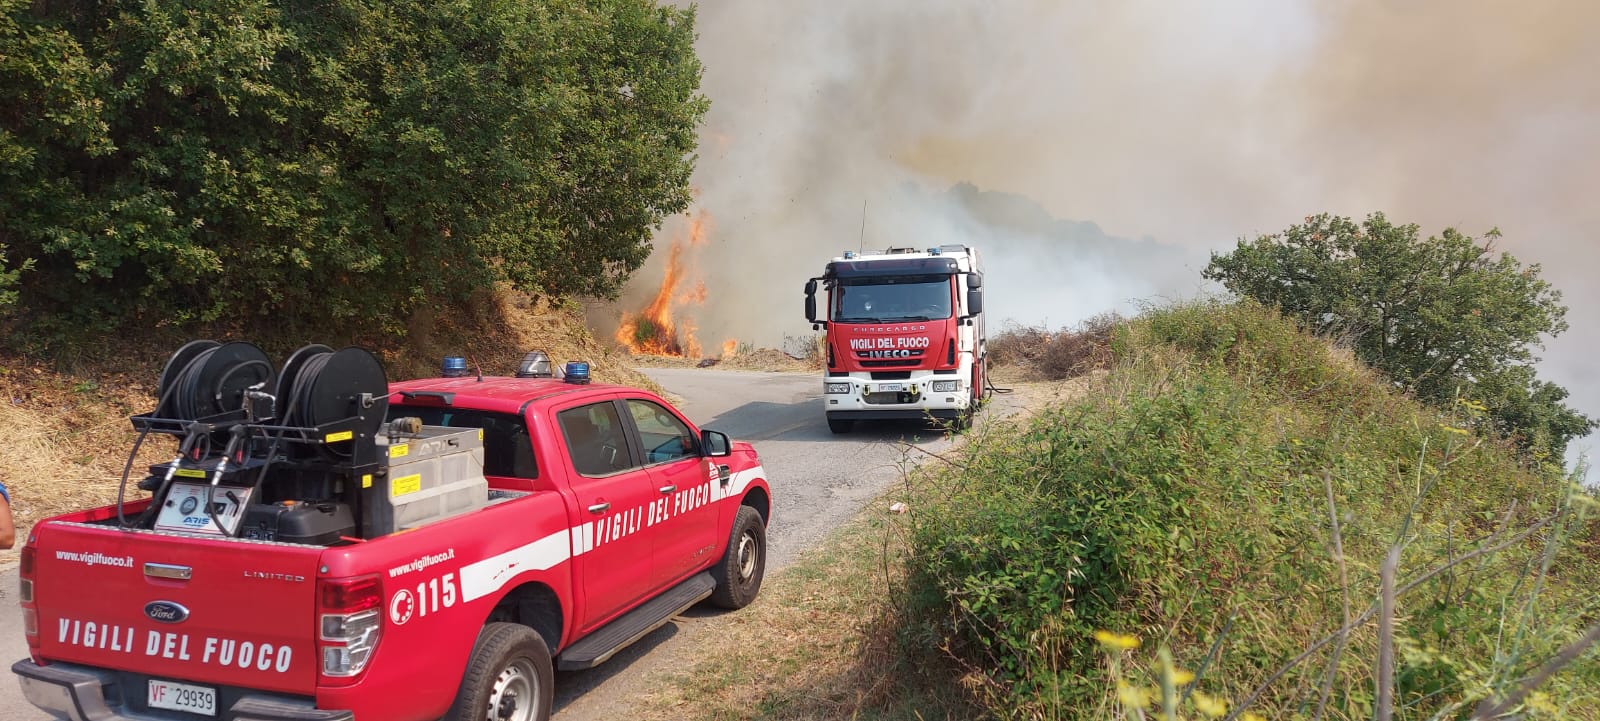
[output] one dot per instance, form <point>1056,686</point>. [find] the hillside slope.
<point>1229,493</point>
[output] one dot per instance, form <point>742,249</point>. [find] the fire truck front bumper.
<point>78,693</point>
<point>941,396</point>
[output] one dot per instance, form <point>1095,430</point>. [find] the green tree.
<point>1443,316</point>
<point>332,161</point>
<point>47,98</point>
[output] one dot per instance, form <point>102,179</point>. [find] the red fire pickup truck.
<point>327,546</point>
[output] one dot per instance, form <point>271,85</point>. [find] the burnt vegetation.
<point>1038,353</point>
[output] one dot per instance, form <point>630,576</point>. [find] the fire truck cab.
<point>904,333</point>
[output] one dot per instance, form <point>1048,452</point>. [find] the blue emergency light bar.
<point>454,367</point>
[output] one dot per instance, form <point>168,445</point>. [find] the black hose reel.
<point>322,388</point>
<point>207,388</point>
<point>208,381</point>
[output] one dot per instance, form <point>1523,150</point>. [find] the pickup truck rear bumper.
<point>77,693</point>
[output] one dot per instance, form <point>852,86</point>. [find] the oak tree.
<point>1444,316</point>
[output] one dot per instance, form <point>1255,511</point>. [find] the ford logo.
<point>166,611</point>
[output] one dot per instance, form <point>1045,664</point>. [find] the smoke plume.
<point>1096,151</point>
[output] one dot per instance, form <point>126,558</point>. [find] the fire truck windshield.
<point>891,298</point>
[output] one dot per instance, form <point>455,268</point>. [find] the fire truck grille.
<point>888,354</point>
<point>898,363</point>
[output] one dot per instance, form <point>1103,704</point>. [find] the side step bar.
<point>632,626</point>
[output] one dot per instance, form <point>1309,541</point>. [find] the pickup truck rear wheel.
<point>738,574</point>
<point>508,679</point>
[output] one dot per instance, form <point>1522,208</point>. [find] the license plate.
<point>891,387</point>
<point>183,697</point>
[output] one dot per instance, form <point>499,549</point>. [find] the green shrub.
<point>1186,499</point>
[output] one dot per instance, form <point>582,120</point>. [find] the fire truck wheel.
<point>840,426</point>
<point>508,679</point>
<point>738,574</point>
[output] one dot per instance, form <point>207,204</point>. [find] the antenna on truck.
<point>861,245</point>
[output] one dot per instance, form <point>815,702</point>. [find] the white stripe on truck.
<point>489,576</point>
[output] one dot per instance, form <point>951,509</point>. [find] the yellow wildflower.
<point>1134,696</point>
<point>1181,677</point>
<point>1251,716</point>
<point>1453,429</point>
<point>1114,640</point>
<point>1540,701</point>
<point>1208,704</point>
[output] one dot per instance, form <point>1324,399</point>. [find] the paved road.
<point>818,481</point>
<point>12,647</point>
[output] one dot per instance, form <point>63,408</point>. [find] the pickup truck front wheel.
<point>509,678</point>
<point>738,574</point>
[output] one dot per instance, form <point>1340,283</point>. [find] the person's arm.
<point>8,531</point>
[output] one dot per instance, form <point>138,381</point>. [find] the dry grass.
<point>503,328</point>
<point>66,439</point>
<point>746,359</point>
<point>767,359</point>
<point>812,646</point>
<point>1038,353</point>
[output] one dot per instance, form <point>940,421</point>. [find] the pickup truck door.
<point>683,515</point>
<point>611,542</point>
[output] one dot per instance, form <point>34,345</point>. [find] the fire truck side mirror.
<point>811,300</point>
<point>974,281</point>
<point>715,443</point>
<point>974,301</point>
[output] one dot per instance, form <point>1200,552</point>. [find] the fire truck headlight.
<point>946,386</point>
<point>838,387</point>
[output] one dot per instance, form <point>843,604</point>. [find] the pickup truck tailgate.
<point>222,612</point>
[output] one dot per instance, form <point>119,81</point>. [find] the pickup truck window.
<point>665,437</point>
<point>507,449</point>
<point>595,439</point>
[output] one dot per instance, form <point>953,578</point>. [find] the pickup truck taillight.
<point>349,620</point>
<point>30,615</point>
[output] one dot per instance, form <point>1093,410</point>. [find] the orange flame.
<point>699,227</point>
<point>730,348</point>
<point>653,330</point>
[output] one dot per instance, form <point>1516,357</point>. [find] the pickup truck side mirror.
<point>715,443</point>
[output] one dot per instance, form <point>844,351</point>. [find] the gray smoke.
<point>1063,137</point>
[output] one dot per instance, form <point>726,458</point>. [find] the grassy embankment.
<point>1227,494</point>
